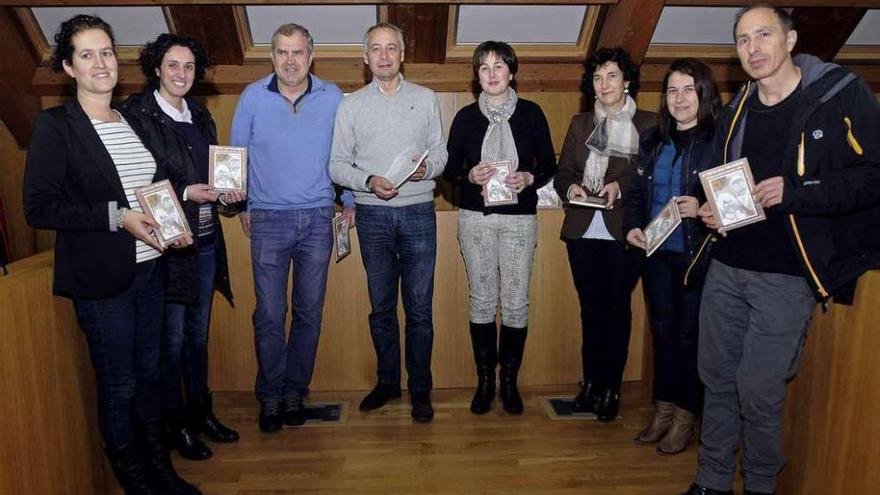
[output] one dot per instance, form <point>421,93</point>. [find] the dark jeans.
<point>674,312</point>
<point>123,333</point>
<point>399,247</point>
<point>605,274</point>
<point>185,335</point>
<point>278,238</point>
<point>752,330</point>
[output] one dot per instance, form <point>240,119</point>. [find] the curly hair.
<point>623,60</point>
<point>64,48</point>
<point>152,54</point>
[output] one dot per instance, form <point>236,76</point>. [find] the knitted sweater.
<point>372,128</point>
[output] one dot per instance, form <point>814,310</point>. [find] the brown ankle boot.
<point>659,425</point>
<point>680,435</point>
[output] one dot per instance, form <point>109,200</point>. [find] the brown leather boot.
<point>680,435</point>
<point>659,425</point>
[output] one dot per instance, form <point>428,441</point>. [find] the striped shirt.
<point>135,166</point>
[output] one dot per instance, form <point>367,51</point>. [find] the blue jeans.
<point>278,238</point>
<point>123,333</point>
<point>185,336</point>
<point>398,247</point>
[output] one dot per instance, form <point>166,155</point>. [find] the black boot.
<point>484,338</point>
<point>203,419</point>
<point>510,353</point>
<point>130,472</point>
<point>185,439</point>
<point>159,467</point>
<point>585,400</point>
<point>608,406</point>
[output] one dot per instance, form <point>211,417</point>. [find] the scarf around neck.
<point>613,135</point>
<point>498,141</point>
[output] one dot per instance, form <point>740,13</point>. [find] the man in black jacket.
<point>809,130</point>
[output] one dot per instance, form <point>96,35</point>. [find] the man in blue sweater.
<point>286,122</point>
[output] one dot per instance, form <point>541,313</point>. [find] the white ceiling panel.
<point>520,24</point>
<point>132,26</point>
<point>695,26</point>
<point>867,33</point>
<point>328,24</point>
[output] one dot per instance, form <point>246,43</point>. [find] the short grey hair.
<point>386,25</point>
<point>288,30</point>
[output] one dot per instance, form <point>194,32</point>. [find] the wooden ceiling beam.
<point>822,31</point>
<point>210,24</point>
<point>103,3</point>
<point>424,28</point>
<point>18,105</point>
<point>630,25</point>
<point>782,3</point>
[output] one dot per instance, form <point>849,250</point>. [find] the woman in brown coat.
<point>597,163</point>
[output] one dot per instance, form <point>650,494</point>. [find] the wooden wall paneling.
<point>22,241</point>
<point>346,359</point>
<point>832,423</point>
<point>210,24</point>
<point>19,106</point>
<point>630,25</point>
<point>49,419</point>
<point>822,31</point>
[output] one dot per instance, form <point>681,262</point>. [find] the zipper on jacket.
<point>797,236</point>
<point>801,168</point>
<point>687,273</point>
<point>851,138</point>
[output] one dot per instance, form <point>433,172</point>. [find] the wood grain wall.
<point>50,437</point>
<point>47,413</point>
<point>346,359</point>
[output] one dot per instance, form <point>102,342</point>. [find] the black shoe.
<point>382,393</point>
<point>608,406</point>
<point>696,489</point>
<point>585,400</point>
<point>270,415</point>
<point>203,419</point>
<point>510,353</point>
<point>158,464</point>
<point>186,440</point>
<point>422,411</point>
<point>484,338</point>
<point>130,471</point>
<point>294,411</point>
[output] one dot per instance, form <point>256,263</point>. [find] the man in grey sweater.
<point>388,122</point>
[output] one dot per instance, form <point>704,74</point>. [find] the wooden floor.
<point>385,452</point>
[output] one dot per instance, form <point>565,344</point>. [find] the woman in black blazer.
<point>178,129</point>
<point>83,166</point>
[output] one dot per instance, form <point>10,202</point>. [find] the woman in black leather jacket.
<point>670,159</point>
<point>179,129</point>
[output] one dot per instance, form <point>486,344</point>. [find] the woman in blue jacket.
<point>670,159</point>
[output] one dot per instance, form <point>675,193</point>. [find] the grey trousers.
<point>752,330</point>
<point>498,252</point>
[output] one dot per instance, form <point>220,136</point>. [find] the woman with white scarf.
<point>498,242</point>
<point>598,161</point>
